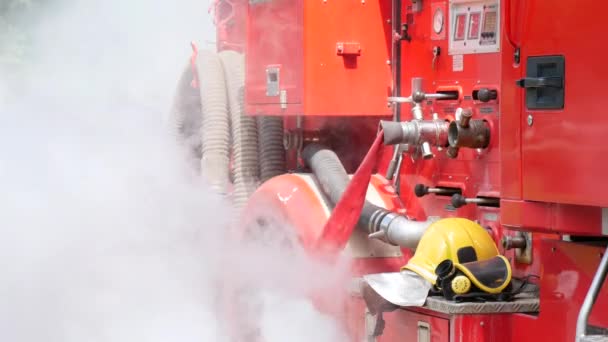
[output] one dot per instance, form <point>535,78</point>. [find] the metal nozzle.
<point>510,242</point>
<point>425,150</point>
<point>476,133</point>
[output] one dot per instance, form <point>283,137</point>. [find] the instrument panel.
<point>474,27</point>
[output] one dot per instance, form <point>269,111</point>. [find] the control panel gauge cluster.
<point>474,26</point>
<point>438,19</point>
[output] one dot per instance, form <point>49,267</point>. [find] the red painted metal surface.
<point>566,276</point>
<point>547,174</point>
<point>480,328</point>
<point>302,39</point>
<point>275,37</point>
<point>230,18</point>
<point>567,142</point>
<point>552,217</point>
<point>511,115</point>
<point>404,325</point>
<point>553,141</point>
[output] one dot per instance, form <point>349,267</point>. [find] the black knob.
<point>458,200</point>
<point>485,94</point>
<point>421,190</point>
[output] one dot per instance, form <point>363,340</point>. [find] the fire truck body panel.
<point>562,127</point>
<point>530,71</point>
<point>306,57</point>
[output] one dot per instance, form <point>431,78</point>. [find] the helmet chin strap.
<point>479,296</point>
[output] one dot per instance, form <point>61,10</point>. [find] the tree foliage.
<point>15,35</point>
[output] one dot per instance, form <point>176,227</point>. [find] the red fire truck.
<point>376,126</point>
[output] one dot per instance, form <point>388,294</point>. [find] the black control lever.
<point>541,82</point>
<point>458,201</point>
<point>421,190</point>
<point>485,95</point>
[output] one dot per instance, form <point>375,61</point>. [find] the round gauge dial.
<point>438,21</point>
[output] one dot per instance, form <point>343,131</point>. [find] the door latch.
<point>545,82</point>
<point>541,82</point>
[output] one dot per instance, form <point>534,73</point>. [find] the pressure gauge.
<point>438,21</point>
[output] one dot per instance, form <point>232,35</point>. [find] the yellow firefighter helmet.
<point>456,256</point>
<point>456,239</point>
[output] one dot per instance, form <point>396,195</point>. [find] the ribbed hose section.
<point>215,129</point>
<point>185,118</point>
<point>328,170</point>
<point>333,178</point>
<point>272,151</point>
<point>244,130</point>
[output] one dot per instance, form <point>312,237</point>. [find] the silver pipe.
<point>399,231</point>
<point>594,289</point>
<point>416,132</point>
<point>417,112</point>
<point>398,99</point>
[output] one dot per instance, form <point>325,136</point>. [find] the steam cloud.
<point>106,235</point>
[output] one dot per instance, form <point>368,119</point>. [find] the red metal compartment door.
<point>346,48</point>
<point>404,325</point>
<point>564,151</point>
<point>274,57</point>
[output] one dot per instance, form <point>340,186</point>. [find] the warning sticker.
<point>457,63</point>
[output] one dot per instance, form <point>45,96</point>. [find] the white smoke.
<point>105,235</point>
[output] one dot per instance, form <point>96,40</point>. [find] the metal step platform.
<point>526,301</point>
<point>523,303</point>
<point>594,338</point>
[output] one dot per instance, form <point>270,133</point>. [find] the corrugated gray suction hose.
<point>215,128</point>
<point>211,124</point>
<point>186,118</point>
<point>272,150</point>
<point>244,131</point>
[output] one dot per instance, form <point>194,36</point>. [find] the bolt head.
<point>452,152</point>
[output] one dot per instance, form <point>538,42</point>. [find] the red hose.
<point>344,217</point>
